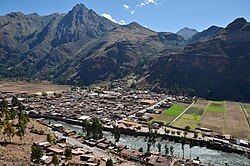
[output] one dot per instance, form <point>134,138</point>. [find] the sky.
<point>158,15</point>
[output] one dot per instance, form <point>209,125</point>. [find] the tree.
<point>13,114</point>
<point>109,162</point>
<point>55,160</point>
<point>97,129</point>
<point>140,149</point>
<point>9,130</point>
<point>166,149</point>
<point>15,101</point>
<point>49,138</point>
<point>191,144</point>
<point>159,147</point>
<point>151,138</point>
<point>117,133</point>
<point>94,129</point>
<point>172,150</point>
<point>68,153</point>
<point>36,154</point>
<point>148,147</point>
<point>183,141</point>
<point>187,128</point>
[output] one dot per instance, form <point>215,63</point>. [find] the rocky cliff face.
<point>218,68</point>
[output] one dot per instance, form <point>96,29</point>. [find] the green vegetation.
<point>94,128</point>
<point>68,154</point>
<point>8,125</point>
<point>191,118</point>
<point>36,153</point>
<point>247,108</point>
<point>109,162</point>
<point>215,109</point>
<point>116,132</point>
<point>55,160</point>
<point>175,110</point>
<point>194,110</point>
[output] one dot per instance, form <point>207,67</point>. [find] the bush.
<point>167,131</point>
<point>178,132</point>
<point>173,132</point>
<point>187,128</point>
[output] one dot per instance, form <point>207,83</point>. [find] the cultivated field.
<point>236,121</point>
<point>246,109</point>
<point>214,117</point>
<point>220,116</point>
<point>190,118</point>
<point>170,114</point>
<point>21,87</point>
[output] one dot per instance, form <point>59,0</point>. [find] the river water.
<point>204,154</point>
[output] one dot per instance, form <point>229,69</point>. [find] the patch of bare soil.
<point>14,154</point>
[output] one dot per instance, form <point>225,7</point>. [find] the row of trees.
<point>8,125</point>
<point>93,128</point>
<point>151,140</point>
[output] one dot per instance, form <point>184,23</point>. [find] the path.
<point>182,113</point>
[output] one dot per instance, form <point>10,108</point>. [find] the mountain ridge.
<point>81,47</point>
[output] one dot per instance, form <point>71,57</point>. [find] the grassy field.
<point>246,109</point>
<point>214,109</point>
<point>169,115</point>
<point>175,110</point>
<point>191,118</point>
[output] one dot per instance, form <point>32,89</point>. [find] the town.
<point>126,110</point>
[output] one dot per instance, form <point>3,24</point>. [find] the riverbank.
<point>205,155</point>
<point>209,142</point>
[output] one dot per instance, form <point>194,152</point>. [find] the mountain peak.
<point>187,33</point>
<point>79,7</point>
<point>237,24</point>
<point>15,14</point>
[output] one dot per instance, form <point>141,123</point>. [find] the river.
<point>204,154</point>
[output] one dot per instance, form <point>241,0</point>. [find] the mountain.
<point>187,33</point>
<point>80,48</point>
<point>33,43</point>
<point>218,68</point>
<point>126,49</point>
<point>205,35</point>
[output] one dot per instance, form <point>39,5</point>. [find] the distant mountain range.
<point>187,33</point>
<point>81,47</point>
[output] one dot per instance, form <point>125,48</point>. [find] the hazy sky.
<point>159,15</point>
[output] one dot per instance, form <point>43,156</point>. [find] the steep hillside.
<point>205,35</point>
<point>218,68</point>
<point>126,49</point>
<point>33,43</point>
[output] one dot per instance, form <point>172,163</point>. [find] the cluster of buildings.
<point>82,104</point>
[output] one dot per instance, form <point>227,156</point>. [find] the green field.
<point>214,109</point>
<point>247,107</point>
<point>175,110</point>
<point>168,115</point>
<point>191,118</point>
